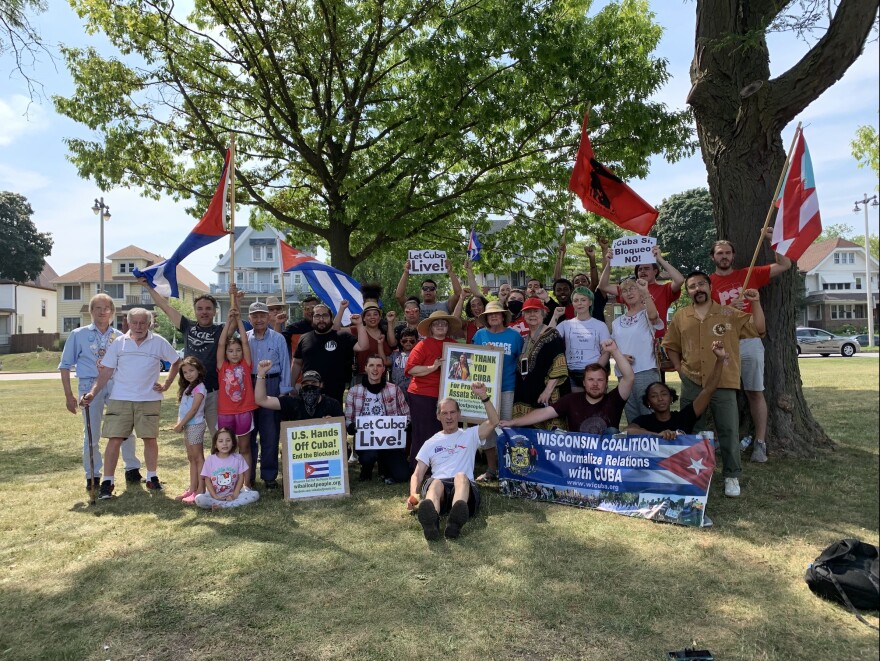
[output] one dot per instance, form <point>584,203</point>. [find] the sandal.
<point>488,476</point>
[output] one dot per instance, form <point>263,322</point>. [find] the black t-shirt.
<point>600,300</point>
<point>582,416</point>
<point>292,408</point>
<point>201,342</point>
<point>683,420</point>
<point>331,354</point>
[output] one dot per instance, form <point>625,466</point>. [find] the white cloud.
<point>18,116</point>
<point>20,180</point>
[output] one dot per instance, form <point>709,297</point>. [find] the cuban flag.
<point>474,246</point>
<point>314,469</point>
<point>798,222</point>
<point>331,285</point>
<point>163,276</point>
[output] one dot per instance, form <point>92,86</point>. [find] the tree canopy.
<point>24,248</point>
<point>866,149</point>
<point>369,122</point>
<point>685,230</point>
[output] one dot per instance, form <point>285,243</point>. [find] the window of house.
<point>43,307</point>
<point>297,278</point>
<point>70,324</point>
<point>115,290</point>
<point>263,253</point>
<point>859,312</point>
<point>858,283</point>
<point>841,311</point>
<point>72,293</point>
<point>126,267</point>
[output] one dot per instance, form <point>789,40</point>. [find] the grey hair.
<point>135,312</point>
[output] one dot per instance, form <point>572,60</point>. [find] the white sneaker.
<point>731,487</point>
<point>353,459</point>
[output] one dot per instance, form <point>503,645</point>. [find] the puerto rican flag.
<point>331,285</point>
<point>163,276</point>
<point>798,222</point>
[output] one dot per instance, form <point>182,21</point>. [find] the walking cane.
<point>91,455</point>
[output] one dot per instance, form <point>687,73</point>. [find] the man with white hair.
<point>134,362</point>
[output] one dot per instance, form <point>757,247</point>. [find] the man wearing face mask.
<point>311,402</point>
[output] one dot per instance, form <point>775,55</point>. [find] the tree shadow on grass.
<point>37,460</point>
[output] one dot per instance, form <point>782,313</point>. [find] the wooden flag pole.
<point>770,211</point>
<point>231,174</point>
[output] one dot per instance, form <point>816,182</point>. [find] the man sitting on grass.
<point>450,455</point>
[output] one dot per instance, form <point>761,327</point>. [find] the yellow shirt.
<point>692,337</point>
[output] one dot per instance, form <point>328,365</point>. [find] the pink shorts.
<point>239,423</point>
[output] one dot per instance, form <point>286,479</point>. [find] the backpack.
<point>848,572</point>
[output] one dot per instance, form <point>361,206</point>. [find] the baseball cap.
<point>258,307</point>
<point>311,375</point>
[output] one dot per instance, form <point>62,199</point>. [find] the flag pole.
<point>231,174</point>
<point>772,207</point>
<point>281,272</point>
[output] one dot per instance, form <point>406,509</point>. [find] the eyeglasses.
<point>629,277</point>
<point>428,288</point>
<point>320,316</point>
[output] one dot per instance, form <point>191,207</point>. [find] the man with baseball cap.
<point>267,344</point>
<point>310,403</point>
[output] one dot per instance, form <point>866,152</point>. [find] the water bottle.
<point>745,442</point>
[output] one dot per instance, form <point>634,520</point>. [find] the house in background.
<point>77,287</point>
<point>835,285</point>
<point>257,270</point>
<point>28,307</point>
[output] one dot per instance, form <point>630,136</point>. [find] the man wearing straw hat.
<point>495,332</point>
<point>727,286</point>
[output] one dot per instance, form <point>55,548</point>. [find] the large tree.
<point>368,122</point>
<point>740,113</point>
<point>24,248</point>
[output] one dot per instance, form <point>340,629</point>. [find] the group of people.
<point>238,384</point>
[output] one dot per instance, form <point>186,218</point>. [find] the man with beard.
<point>200,340</point>
<point>429,292</point>
<point>292,332</point>
<point>311,402</point>
<point>327,351</point>
<point>727,285</point>
<point>689,341</point>
<point>374,396</point>
<point>593,411</point>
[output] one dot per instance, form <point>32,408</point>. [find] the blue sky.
<point>33,163</point>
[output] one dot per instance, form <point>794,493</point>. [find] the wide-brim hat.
<point>370,304</point>
<point>274,302</point>
<point>438,315</point>
<point>534,303</point>
<point>494,307</point>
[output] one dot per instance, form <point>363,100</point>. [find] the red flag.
<point>605,194</point>
<point>798,222</point>
<point>291,257</point>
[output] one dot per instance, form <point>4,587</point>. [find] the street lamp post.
<point>870,307</point>
<point>103,211</point>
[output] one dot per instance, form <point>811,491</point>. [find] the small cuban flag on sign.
<point>474,247</point>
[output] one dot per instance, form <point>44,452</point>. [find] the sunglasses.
<point>428,288</point>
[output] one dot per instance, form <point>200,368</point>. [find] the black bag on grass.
<point>847,572</point>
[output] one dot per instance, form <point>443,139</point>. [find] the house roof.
<point>133,252</point>
<point>817,252</point>
<point>42,281</point>
<point>90,273</point>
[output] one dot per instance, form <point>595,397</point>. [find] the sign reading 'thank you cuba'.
<point>427,261</point>
<point>380,432</point>
<point>643,476</point>
<point>315,464</point>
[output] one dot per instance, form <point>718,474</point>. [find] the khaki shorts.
<point>123,417</point>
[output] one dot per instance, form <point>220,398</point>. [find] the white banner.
<point>427,261</point>
<point>633,250</point>
<point>380,432</point>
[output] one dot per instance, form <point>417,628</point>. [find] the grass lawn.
<point>36,361</point>
<point>142,577</point>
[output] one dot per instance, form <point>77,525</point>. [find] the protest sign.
<point>643,476</point>
<point>427,261</point>
<point>380,432</point>
<point>315,464</point>
<point>465,363</point>
<point>633,250</point>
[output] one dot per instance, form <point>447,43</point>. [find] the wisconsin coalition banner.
<point>644,476</point>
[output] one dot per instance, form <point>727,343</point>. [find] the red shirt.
<point>425,353</point>
<point>726,288</point>
<point>236,389</point>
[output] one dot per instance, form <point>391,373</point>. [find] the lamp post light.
<point>870,307</point>
<point>103,211</point>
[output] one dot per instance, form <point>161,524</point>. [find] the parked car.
<point>816,340</point>
<point>863,340</point>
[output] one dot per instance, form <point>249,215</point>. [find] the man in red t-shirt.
<point>727,285</point>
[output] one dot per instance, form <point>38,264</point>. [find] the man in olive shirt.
<point>689,341</point>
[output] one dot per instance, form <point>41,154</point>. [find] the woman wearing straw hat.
<point>377,340</point>
<point>496,333</point>
<point>542,377</point>
<point>425,365</point>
